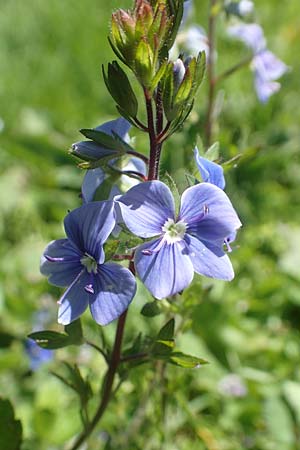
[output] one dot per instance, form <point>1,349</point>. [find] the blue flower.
<point>37,355</point>
<point>210,171</point>
<point>193,241</point>
<point>78,262</point>
<point>266,66</point>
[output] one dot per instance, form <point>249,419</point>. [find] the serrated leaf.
<point>50,339</point>
<point>169,181</point>
<point>151,309</point>
<point>158,76</point>
<point>212,153</point>
<point>186,361</point>
<point>120,88</point>
<point>162,348</point>
<point>10,428</point>
<point>191,180</point>
<point>101,138</point>
<point>167,331</point>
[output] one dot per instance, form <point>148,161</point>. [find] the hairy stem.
<point>211,71</point>
<point>108,383</point>
<point>155,147</point>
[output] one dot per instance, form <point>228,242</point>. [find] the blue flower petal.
<point>269,66</point>
<point>167,271</point>
<point>251,34</point>
<point>92,180</point>
<point>114,287</point>
<point>208,213</point>
<point>208,260</point>
<point>146,207</point>
<point>210,171</point>
<point>63,271</point>
<point>119,126</point>
<point>89,227</point>
<point>75,300</point>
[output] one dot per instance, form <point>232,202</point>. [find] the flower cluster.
<point>180,244</point>
<point>117,195</point>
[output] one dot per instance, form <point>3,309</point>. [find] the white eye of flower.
<point>174,232</point>
<point>89,263</point>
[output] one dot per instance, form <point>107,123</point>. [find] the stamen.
<point>200,216</point>
<point>226,243</point>
<point>156,249</point>
<point>89,289</point>
<point>62,259</point>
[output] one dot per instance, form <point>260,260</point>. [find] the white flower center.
<point>174,232</point>
<point>89,263</point>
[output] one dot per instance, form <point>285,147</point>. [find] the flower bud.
<point>180,83</point>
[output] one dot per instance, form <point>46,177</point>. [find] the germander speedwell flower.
<point>192,241</point>
<point>78,262</point>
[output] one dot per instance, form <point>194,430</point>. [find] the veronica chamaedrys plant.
<point>267,68</point>
<point>79,262</point>
<point>191,241</point>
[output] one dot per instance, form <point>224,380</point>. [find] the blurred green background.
<point>249,395</point>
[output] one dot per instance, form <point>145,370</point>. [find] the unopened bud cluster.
<point>138,36</point>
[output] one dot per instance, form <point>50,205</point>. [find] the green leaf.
<point>186,361</point>
<point>212,153</point>
<point>167,331</point>
<point>151,309</point>
<point>6,339</point>
<point>101,138</point>
<point>158,76</point>
<point>10,428</point>
<point>50,339</point>
<point>279,421</point>
<point>53,340</point>
<point>74,331</point>
<point>191,180</point>
<point>169,181</point>
<point>75,381</point>
<point>120,89</point>
<point>291,391</point>
<point>164,342</point>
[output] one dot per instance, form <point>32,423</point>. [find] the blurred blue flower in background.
<point>37,355</point>
<point>232,385</point>
<point>266,66</point>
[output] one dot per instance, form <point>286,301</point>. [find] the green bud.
<point>122,36</point>
<point>144,63</point>
<point>180,84</point>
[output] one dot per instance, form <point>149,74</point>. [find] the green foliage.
<point>53,340</point>
<point>10,428</point>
